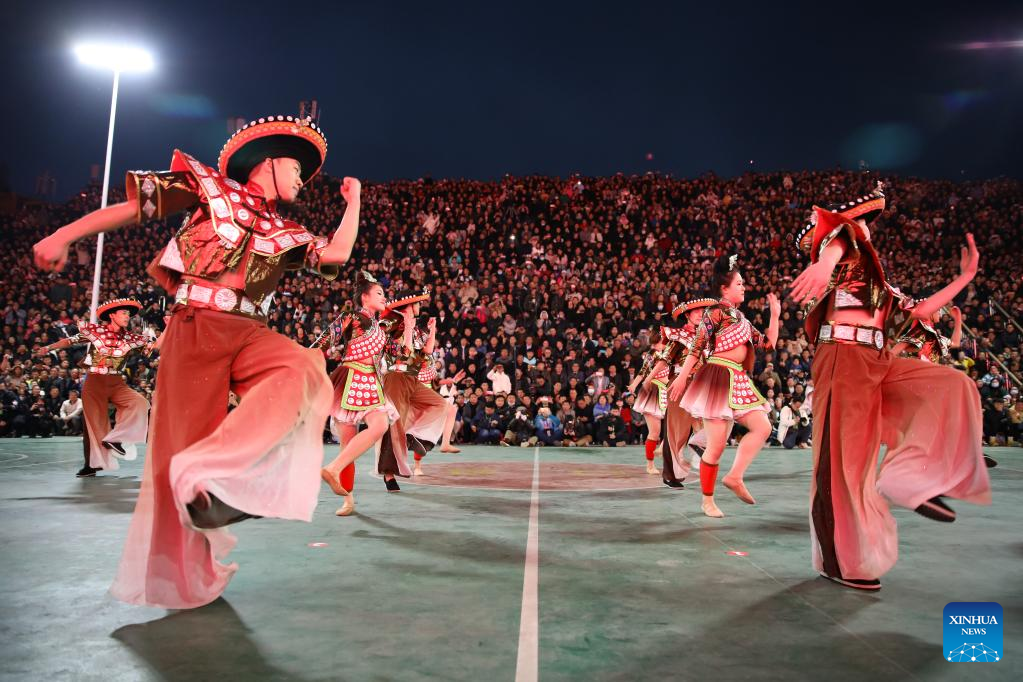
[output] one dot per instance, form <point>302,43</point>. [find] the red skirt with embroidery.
<point>722,390</point>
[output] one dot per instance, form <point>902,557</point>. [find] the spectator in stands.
<point>71,415</point>
<point>548,427</point>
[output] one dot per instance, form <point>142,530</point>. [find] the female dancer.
<point>358,384</point>
<point>651,400</point>
<point>722,392</point>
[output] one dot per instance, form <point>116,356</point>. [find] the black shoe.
<point>672,484</point>
<point>392,485</point>
<point>416,445</point>
<point>856,584</point>
<point>936,510</point>
<point>116,447</point>
<point>214,513</point>
<point>87,472</point>
<point>990,462</point>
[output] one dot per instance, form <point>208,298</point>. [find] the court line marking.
<point>828,616</point>
<point>527,664</point>
<point>40,464</point>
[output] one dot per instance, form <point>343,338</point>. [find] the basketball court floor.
<point>502,564</point>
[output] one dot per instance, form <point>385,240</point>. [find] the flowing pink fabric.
<point>262,458</point>
<point>931,417</point>
<point>707,396</point>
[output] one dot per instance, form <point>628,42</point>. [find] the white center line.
<point>527,665</point>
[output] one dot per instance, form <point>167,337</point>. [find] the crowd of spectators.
<point>548,291</point>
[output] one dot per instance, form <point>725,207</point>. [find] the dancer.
<point>861,391</point>
<point>359,386</point>
<point>207,467</point>
<point>680,427</point>
<point>424,416</point>
<point>651,400</point>
<point>722,392</point>
<point>110,346</point>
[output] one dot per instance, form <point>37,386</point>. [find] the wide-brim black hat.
<point>274,137</point>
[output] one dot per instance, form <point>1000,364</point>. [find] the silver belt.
<point>224,299</point>
<point>866,336</point>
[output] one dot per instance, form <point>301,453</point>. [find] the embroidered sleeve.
<point>671,352</point>
<point>913,335</point>
<point>712,320</point>
<point>846,234</point>
<point>158,194</point>
<point>313,255</point>
<point>760,341</point>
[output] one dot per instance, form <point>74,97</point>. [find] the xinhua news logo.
<point>972,632</point>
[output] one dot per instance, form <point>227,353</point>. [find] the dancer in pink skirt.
<point>358,384</point>
<point>722,391</point>
<point>652,399</point>
<point>930,415</point>
<point>207,467</point>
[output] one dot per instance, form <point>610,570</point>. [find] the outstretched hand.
<point>969,257</point>
<point>774,304</point>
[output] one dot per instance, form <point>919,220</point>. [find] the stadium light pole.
<point>119,59</point>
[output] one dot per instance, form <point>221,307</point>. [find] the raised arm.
<point>340,248</point>
<point>51,253</point>
<point>431,340</point>
<point>969,259</point>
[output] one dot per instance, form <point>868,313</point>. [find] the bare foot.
<point>739,488</point>
<point>348,508</point>
<point>449,448</point>
<point>334,481</point>
<point>710,509</point>
<point>651,469</point>
<point>418,471</point>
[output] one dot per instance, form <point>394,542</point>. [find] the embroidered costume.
<point>208,467</point>
<point>105,359</point>
<point>722,389</point>
<point>861,392</point>
<point>422,412</point>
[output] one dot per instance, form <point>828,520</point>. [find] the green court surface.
<point>632,582</point>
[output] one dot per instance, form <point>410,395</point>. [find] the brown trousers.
<point>930,417</point>
<point>98,393</point>
<point>421,412</point>
<point>264,457</point>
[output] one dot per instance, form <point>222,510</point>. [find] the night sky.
<point>481,89</point>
